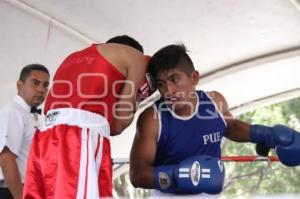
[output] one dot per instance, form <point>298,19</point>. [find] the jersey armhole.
<point>114,68</point>
<point>216,107</point>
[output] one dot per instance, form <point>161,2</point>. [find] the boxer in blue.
<point>176,148</point>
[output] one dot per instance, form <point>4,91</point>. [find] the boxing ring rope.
<point>248,158</point>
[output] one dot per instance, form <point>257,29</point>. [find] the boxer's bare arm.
<point>132,64</point>
<point>236,130</point>
<point>143,150</point>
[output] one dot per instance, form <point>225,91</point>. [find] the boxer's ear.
<point>195,77</point>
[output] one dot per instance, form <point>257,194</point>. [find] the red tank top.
<point>86,80</point>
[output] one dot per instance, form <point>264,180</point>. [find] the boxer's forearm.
<point>237,130</point>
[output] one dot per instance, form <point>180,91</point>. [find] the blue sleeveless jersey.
<point>181,138</point>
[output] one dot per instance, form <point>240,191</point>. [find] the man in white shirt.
<point>17,125</point>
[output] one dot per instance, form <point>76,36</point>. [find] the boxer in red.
<point>93,96</point>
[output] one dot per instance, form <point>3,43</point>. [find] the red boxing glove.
<point>148,86</point>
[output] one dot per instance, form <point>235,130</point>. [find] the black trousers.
<point>5,193</point>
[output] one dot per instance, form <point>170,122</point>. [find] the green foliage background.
<point>244,179</point>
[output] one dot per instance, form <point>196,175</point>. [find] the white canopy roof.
<point>248,50</point>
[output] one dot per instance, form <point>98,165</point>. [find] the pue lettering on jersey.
<point>212,138</point>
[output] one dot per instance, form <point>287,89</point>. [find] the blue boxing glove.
<point>165,179</point>
<point>198,174</point>
<point>284,139</point>
<point>289,154</point>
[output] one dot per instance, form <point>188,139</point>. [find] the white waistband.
<point>77,117</point>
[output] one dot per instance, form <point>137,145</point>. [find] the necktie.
<point>36,110</point>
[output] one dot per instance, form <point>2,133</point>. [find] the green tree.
<point>244,179</point>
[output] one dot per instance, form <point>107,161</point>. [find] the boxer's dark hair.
<point>126,40</point>
<point>170,57</point>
